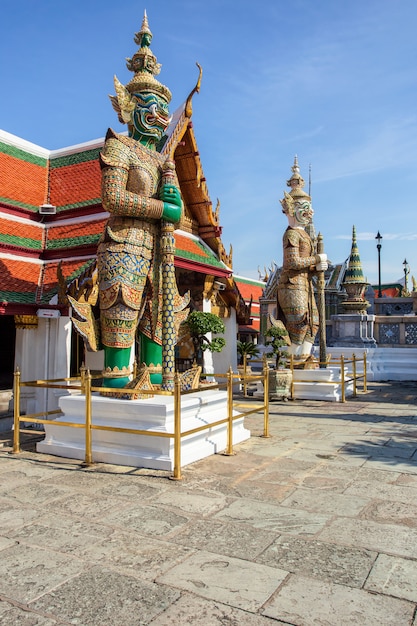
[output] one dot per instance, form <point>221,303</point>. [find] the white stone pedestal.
<point>320,384</point>
<point>153,414</point>
<point>317,384</point>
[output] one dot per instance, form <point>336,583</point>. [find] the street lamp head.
<point>379,237</point>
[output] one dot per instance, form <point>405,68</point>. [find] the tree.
<point>274,338</point>
<point>248,348</point>
<point>199,324</point>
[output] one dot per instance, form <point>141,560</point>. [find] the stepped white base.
<point>153,414</point>
<point>317,384</point>
<point>393,363</point>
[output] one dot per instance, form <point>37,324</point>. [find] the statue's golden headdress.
<point>145,67</point>
<point>296,183</point>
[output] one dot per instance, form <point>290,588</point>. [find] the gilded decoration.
<point>137,292</point>
<point>296,303</point>
<point>26,322</point>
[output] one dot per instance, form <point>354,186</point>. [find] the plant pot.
<point>280,384</point>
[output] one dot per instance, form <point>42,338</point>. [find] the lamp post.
<point>379,246</point>
<point>406,273</point>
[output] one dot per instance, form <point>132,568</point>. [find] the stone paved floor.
<point>316,525</point>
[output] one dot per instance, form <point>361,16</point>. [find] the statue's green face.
<point>303,212</point>
<point>151,116</point>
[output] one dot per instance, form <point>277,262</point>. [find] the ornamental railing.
<point>84,386</point>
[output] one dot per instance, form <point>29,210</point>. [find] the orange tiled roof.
<point>75,185</point>
<point>194,250</point>
<point>26,282</point>
<point>23,180</point>
<point>78,233</point>
<point>20,235</point>
<point>19,280</point>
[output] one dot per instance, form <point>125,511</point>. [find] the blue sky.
<point>333,82</point>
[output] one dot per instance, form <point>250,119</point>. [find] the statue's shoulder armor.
<point>291,237</point>
<point>116,151</point>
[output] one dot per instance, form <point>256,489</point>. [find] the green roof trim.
<point>17,297</point>
<point>77,205</point>
<point>249,281</point>
<point>59,209</point>
<point>21,205</point>
<point>21,242</point>
<point>71,242</point>
<point>18,153</point>
<point>205,258</point>
<point>74,159</point>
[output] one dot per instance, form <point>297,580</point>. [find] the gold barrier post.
<point>87,388</point>
<point>364,373</point>
<point>292,376</point>
<point>82,378</point>
<point>342,373</point>
<point>266,397</point>
<point>16,412</point>
<point>354,375</point>
<point>229,448</point>
<point>177,428</point>
<point>245,364</point>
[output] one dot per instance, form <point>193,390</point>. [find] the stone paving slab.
<point>108,598</point>
<point>28,572</point>
<point>11,615</point>
<point>391,513</point>
<point>130,552</point>
<point>394,576</point>
<point>304,601</point>
<point>238,583</point>
<point>231,539</point>
<point>401,489</point>
<point>340,564</point>
<point>275,518</point>
<point>148,520</point>
<point>12,515</point>
<point>60,533</point>
<point>326,502</point>
<point>194,611</point>
<point>388,538</point>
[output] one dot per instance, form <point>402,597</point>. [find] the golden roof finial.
<point>188,104</point>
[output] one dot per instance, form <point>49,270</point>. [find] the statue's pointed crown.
<point>145,66</point>
<point>296,182</point>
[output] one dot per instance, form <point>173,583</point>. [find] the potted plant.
<point>280,378</point>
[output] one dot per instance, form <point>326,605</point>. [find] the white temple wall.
<point>221,361</point>
<point>228,356</point>
<point>43,353</point>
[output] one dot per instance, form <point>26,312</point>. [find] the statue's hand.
<point>170,194</point>
<point>322,264</point>
<point>171,212</point>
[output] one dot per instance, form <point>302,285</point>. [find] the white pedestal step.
<point>317,384</point>
<point>153,414</point>
<point>320,384</point>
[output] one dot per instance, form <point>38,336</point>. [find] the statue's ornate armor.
<point>296,303</point>
<point>128,253</point>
